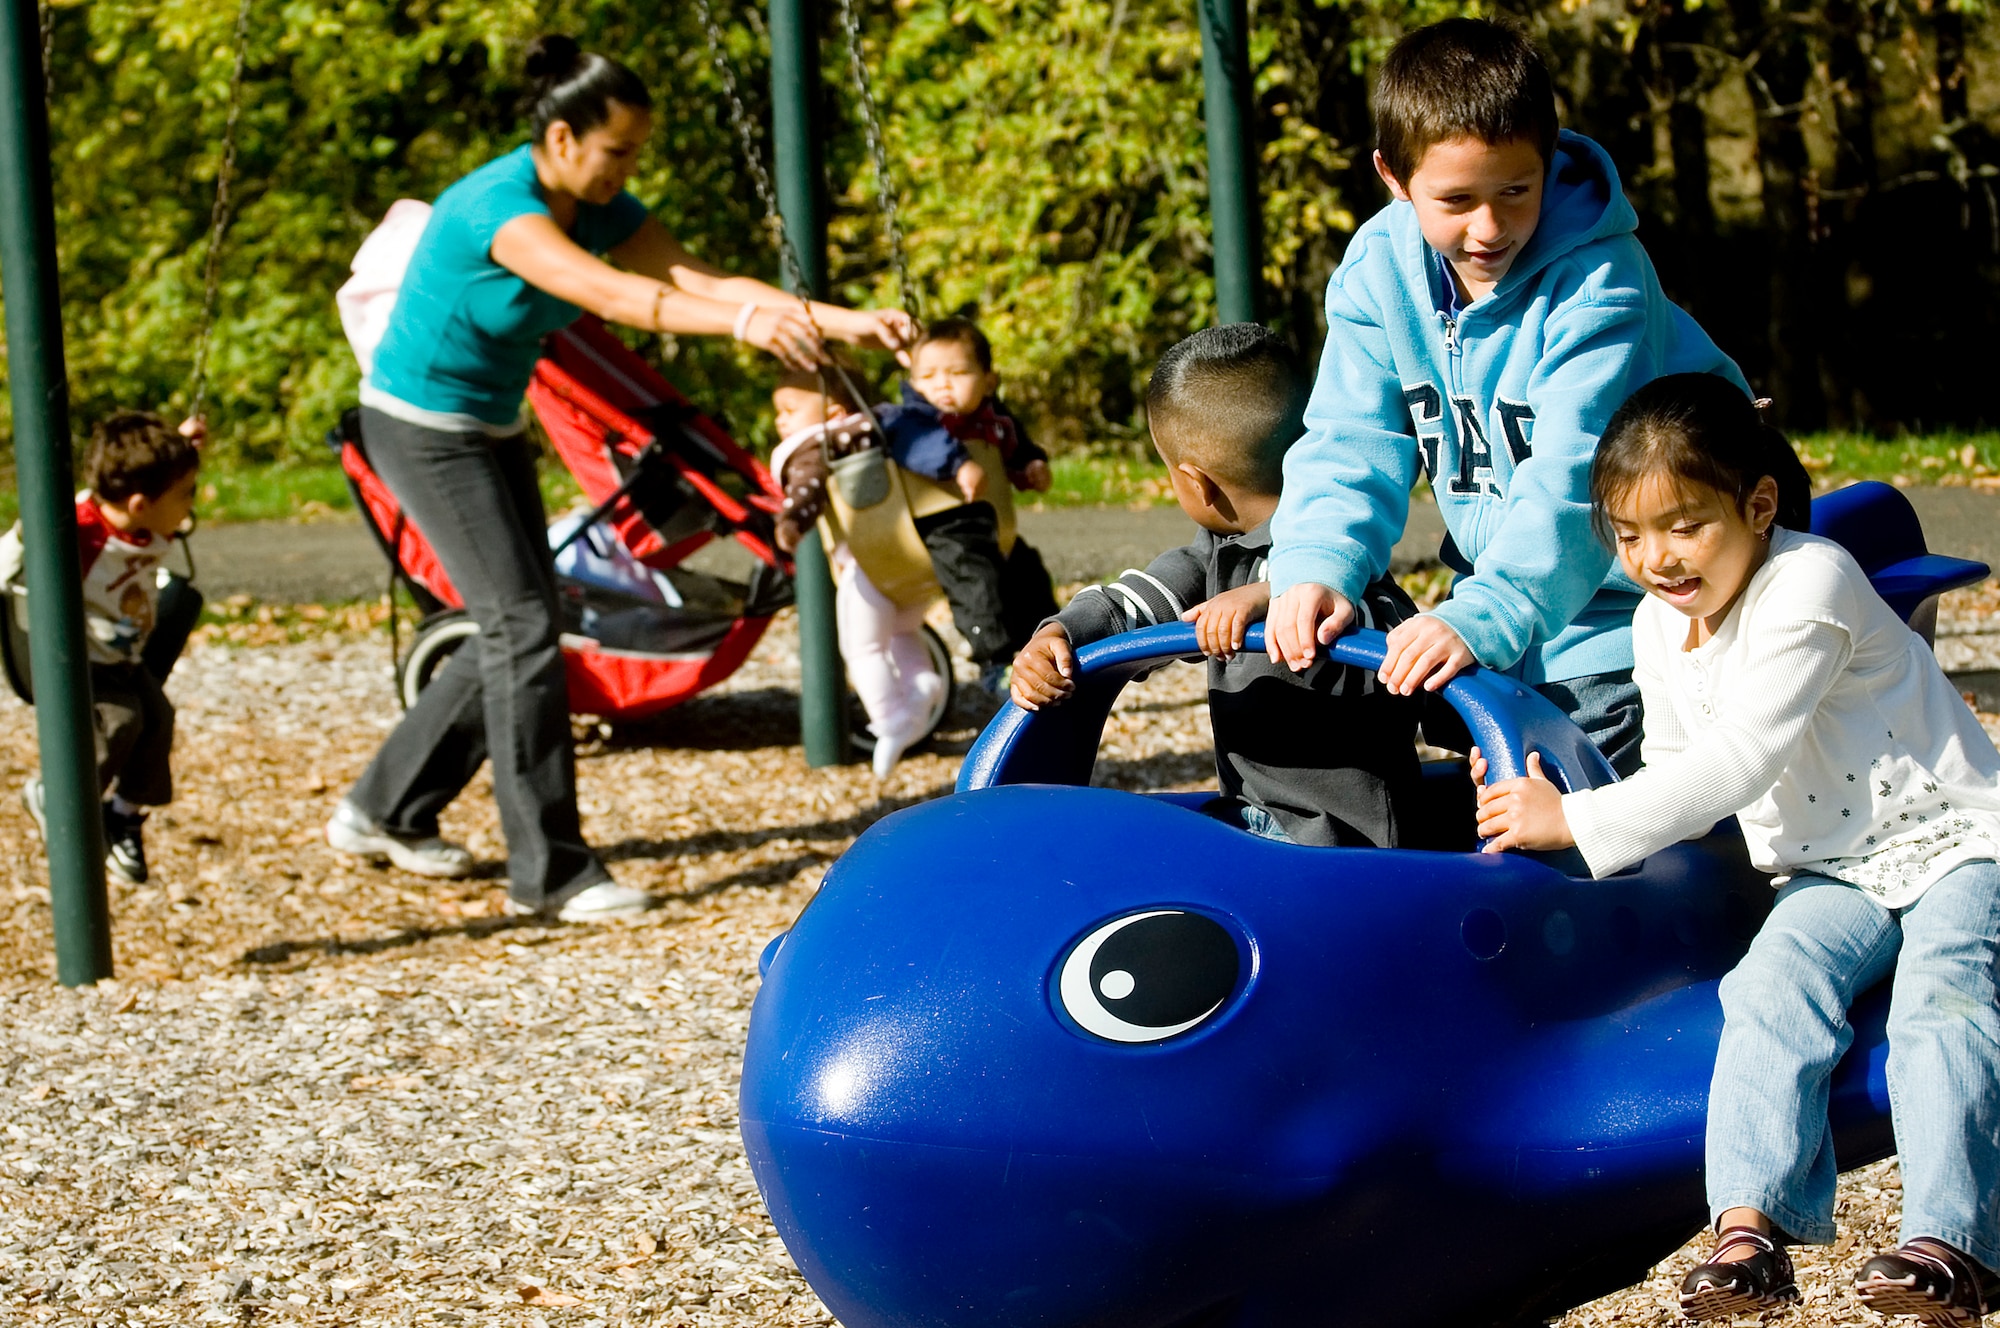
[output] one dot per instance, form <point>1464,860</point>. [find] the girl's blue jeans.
<point>1785,1027</point>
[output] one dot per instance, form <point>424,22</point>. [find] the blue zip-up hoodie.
<point>1502,408</point>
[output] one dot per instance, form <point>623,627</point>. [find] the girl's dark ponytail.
<point>576,86</point>
<point>1782,464</point>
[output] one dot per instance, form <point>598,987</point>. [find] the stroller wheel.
<point>863,741</point>
<point>437,638</point>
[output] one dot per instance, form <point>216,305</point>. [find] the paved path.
<point>333,560</point>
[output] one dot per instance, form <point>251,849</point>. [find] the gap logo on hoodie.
<point>1469,456</point>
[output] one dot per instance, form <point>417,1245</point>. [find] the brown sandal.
<point>1929,1279</point>
<point>1718,1290</point>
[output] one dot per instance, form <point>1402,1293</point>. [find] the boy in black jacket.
<point>1324,757</point>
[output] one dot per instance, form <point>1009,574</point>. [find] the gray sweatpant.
<point>134,728</point>
<point>503,695</point>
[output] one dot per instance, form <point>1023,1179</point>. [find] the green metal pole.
<point>38,384</point>
<point>1235,217</point>
<point>795,102</point>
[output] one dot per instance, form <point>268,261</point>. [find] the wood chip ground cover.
<point>324,1093</point>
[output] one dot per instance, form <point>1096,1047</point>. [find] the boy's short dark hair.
<point>1462,78</point>
<point>137,452</point>
<point>961,330</point>
<point>1231,400</point>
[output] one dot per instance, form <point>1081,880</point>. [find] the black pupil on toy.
<point>1164,970</point>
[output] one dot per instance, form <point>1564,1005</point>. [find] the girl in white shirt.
<point>1780,688</point>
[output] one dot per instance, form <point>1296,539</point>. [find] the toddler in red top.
<point>142,484</point>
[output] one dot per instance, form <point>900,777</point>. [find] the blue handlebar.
<point>1058,744</point>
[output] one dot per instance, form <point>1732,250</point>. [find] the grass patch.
<point>307,493</point>
<point>1101,481</point>
<point>560,491</point>
<point>1835,459</point>
<point>271,493</point>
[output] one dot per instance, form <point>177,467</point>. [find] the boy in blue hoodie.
<point>1484,326</point>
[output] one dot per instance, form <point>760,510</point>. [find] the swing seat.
<point>883,538</point>
<point>174,620</point>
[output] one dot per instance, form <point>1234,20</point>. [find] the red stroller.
<point>665,480</point>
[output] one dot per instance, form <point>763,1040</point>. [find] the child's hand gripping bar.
<point>1058,744</point>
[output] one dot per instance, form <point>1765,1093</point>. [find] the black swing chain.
<point>753,157</point>
<point>774,221</point>
<point>871,124</point>
<point>218,217</point>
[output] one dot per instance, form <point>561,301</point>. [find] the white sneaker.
<point>898,733</point>
<point>351,832</point>
<point>891,741</point>
<point>604,902</point>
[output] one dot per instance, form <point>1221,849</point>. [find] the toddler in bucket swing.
<point>951,403</point>
<point>1780,688</point>
<point>886,660</point>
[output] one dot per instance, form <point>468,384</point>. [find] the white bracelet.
<point>743,317</point>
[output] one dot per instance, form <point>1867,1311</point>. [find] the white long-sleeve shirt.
<point>1819,719</point>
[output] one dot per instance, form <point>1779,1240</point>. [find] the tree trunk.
<point>1952,75</point>
<point>1839,259</point>
<point>1687,123</point>
<point>1779,80</point>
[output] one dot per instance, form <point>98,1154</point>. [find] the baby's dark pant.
<point>996,602</point>
<point>135,734</point>
<point>1027,594</point>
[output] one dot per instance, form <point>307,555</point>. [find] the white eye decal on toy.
<point>1148,976</point>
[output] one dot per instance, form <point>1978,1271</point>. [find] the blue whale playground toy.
<point>1044,1054</point>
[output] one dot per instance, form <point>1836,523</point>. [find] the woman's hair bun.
<point>552,57</point>
<point>577,86</point>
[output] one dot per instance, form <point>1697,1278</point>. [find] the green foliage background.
<point>1050,160</point>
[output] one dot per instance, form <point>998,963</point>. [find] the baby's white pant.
<point>879,642</point>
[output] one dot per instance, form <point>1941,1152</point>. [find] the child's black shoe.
<point>125,845</point>
<point>1929,1279</point>
<point>1722,1289</point>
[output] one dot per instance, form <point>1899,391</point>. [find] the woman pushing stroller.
<point>513,251</point>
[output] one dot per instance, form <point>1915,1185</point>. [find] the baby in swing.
<point>1781,689</point>
<point>886,660</point>
<point>951,398</point>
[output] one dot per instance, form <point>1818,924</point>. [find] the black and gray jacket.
<point>1327,752</point>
